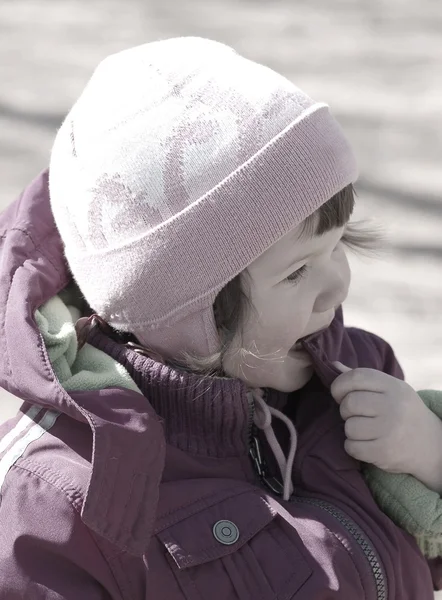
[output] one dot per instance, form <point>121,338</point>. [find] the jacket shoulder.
<point>371,351</point>
<point>46,550</point>
<point>47,446</point>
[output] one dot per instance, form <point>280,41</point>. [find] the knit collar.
<point>210,416</point>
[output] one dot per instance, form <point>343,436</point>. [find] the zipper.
<point>360,537</point>
<point>251,423</point>
<point>260,467</point>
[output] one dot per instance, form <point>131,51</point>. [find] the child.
<point>171,316</point>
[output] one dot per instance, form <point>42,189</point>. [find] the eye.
<point>297,275</point>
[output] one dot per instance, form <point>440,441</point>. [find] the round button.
<point>226,532</point>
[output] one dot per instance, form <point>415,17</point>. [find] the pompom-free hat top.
<point>181,163</point>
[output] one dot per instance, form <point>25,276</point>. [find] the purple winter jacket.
<point>171,495</point>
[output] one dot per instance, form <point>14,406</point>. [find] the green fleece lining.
<point>87,369</point>
<point>407,501</point>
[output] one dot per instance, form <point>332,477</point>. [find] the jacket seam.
<point>37,248</point>
<point>293,573</point>
<point>74,508</point>
<point>3,323</point>
<point>169,518</point>
<point>52,478</point>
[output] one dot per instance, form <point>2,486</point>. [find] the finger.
<point>361,429</point>
<point>367,380</point>
<point>361,404</point>
<point>365,451</point>
<point>341,367</point>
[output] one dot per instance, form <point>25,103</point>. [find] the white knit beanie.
<point>181,163</point>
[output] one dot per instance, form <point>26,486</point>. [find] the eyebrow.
<point>305,235</point>
<point>298,260</point>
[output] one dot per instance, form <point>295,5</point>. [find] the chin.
<point>295,382</point>
<point>289,377</point>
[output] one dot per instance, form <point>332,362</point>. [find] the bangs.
<point>333,214</point>
<point>367,238</point>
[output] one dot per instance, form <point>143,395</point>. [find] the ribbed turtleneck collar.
<point>210,416</point>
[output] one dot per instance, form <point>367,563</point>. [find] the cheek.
<point>347,273</point>
<point>301,307</point>
<point>295,305</point>
<point>279,318</point>
<point>332,282</point>
<point>288,322</point>
<point>344,279</point>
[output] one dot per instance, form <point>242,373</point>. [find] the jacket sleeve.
<point>46,552</point>
<point>406,500</point>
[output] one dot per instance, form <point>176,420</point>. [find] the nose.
<point>335,288</point>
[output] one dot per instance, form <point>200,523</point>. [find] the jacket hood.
<point>32,270</point>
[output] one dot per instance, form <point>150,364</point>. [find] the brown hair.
<point>232,302</point>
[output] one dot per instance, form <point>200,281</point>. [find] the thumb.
<point>337,389</point>
<point>341,367</point>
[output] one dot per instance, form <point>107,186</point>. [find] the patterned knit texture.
<point>406,500</point>
<point>181,163</point>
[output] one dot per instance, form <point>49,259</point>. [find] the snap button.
<point>226,532</point>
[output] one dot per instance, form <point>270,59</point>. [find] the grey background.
<point>378,64</point>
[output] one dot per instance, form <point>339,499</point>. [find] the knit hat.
<point>179,165</point>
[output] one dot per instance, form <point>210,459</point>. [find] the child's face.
<point>286,311</point>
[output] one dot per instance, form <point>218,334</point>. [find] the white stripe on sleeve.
<point>19,448</point>
<point>22,424</point>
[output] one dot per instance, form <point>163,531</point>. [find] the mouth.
<point>297,347</point>
<point>299,344</point>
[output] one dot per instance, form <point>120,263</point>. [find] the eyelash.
<point>297,275</point>
<point>302,272</point>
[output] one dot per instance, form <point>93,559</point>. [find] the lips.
<point>298,346</point>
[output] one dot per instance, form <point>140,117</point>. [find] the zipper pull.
<point>272,483</point>
<point>255,454</point>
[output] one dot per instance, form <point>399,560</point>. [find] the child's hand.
<point>388,425</point>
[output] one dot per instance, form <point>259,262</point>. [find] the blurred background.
<point>378,64</point>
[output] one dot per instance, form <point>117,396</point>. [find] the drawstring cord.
<point>263,420</point>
